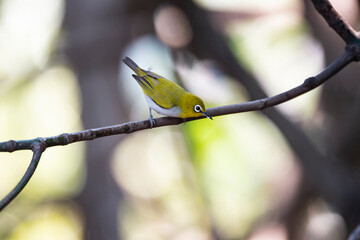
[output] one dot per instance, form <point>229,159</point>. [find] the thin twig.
<point>38,148</point>
<point>336,21</point>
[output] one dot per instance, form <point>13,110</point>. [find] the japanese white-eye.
<point>166,97</point>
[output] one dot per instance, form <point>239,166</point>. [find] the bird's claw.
<point>152,123</point>
<point>151,119</point>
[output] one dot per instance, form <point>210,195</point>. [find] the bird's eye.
<point>197,108</point>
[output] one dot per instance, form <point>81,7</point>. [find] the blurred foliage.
<point>247,5</point>
<point>37,99</point>
<point>49,222</point>
<point>282,39</point>
<point>234,177</point>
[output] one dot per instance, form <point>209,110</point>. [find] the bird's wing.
<point>160,90</point>
<point>144,84</point>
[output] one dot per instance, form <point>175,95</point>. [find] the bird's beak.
<point>207,115</point>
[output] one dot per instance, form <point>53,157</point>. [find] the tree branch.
<point>38,145</point>
<point>130,127</point>
<point>127,128</point>
<point>336,21</point>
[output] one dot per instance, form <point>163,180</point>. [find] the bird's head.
<point>192,106</point>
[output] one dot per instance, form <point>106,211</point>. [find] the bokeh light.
<point>235,177</point>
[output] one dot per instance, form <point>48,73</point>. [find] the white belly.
<point>172,112</point>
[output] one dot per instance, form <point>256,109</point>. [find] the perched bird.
<point>166,97</point>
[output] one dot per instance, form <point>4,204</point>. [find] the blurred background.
<point>289,172</point>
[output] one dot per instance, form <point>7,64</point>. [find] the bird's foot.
<point>152,122</point>
<point>151,119</point>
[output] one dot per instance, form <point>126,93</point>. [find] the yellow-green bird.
<point>166,97</point>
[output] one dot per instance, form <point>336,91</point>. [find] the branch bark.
<point>336,21</point>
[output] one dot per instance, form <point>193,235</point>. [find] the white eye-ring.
<point>198,108</point>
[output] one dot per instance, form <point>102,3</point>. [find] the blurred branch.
<point>355,235</point>
<point>38,145</point>
<point>336,21</point>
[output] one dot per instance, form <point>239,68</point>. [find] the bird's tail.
<point>131,64</point>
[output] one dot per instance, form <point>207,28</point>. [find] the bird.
<point>166,97</point>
